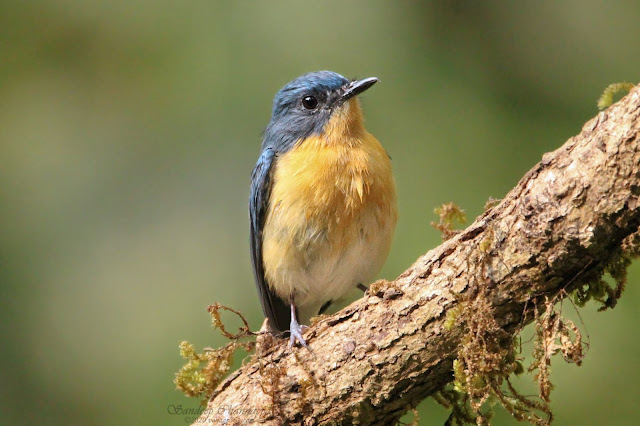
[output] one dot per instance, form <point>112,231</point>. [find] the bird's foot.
<point>295,330</point>
<point>295,334</point>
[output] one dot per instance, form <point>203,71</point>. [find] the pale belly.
<point>312,264</point>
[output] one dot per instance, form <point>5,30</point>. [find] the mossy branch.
<point>573,216</point>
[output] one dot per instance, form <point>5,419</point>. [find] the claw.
<point>295,330</point>
<point>296,335</point>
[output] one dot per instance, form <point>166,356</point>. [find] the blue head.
<point>305,105</point>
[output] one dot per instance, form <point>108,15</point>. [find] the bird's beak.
<point>356,87</point>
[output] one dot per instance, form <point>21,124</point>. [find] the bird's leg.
<point>362,287</point>
<point>295,329</point>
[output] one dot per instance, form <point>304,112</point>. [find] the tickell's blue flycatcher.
<point>323,201</point>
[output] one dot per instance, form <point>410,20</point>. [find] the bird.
<point>322,205</point>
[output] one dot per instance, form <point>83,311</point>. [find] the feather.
<point>273,307</point>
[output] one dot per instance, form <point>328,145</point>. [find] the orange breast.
<point>332,184</point>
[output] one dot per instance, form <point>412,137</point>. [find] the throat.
<point>346,125</point>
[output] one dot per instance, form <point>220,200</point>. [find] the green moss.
<point>203,372</point>
<point>459,376</point>
<point>487,241</point>
<point>613,90</point>
<point>458,403</point>
<point>452,317</point>
<point>600,290</point>
<point>449,215</point>
<point>488,356</point>
<point>380,287</point>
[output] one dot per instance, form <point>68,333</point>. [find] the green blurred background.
<point>128,130</point>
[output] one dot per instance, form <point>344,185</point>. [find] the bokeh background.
<point>128,130</point>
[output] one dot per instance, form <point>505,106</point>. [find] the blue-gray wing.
<point>273,307</point>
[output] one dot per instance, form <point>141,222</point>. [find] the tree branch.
<point>557,229</point>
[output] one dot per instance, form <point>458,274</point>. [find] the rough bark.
<point>383,354</point>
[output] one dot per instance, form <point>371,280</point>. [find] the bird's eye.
<point>309,102</point>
